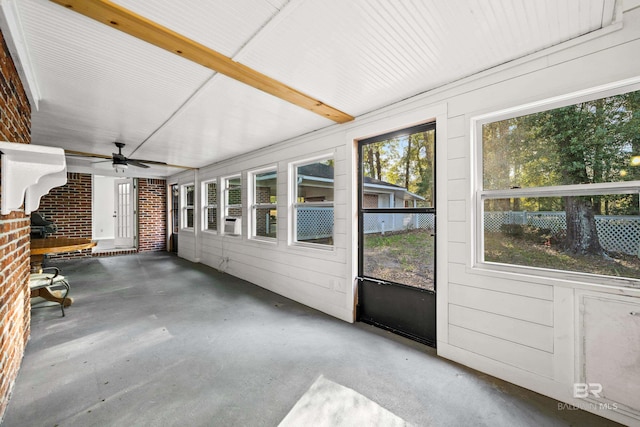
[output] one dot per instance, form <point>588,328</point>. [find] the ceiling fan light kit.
<point>120,167</point>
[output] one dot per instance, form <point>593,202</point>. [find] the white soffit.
<point>98,84</point>
<point>228,118</point>
<point>360,55</point>
<point>11,25</point>
<point>224,26</point>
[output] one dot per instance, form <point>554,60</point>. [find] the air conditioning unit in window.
<point>232,225</point>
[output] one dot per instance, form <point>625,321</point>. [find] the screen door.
<point>397,232</point>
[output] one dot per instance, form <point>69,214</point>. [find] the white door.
<point>123,213</point>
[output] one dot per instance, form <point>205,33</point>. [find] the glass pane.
<point>604,236</point>
<point>234,193</point>
<point>266,222</point>
<point>266,188</point>
<point>399,172</point>
<point>175,207</point>
<point>585,143</point>
<point>190,195</point>
<point>314,224</point>
<point>189,215</point>
<point>315,182</point>
<point>212,219</point>
<point>212,193</point>
<point>399,248</point>
<point>235,211</point>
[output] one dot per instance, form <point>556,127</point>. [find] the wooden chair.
<point>44,282</point>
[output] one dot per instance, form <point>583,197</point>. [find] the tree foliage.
<point>590,142</point>
<point>406,161</point>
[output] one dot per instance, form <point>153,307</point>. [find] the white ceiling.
<point>96,85</point>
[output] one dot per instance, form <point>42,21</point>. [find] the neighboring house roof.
<point>325,172</point>
<point>373,181</point>
<point>318,170</point>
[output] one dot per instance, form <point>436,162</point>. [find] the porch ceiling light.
<point>120,167</point>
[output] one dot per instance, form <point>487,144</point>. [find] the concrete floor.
<point>154,340</point>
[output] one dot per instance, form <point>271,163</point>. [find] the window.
<point>210,208</point>
<point>232,197</point>
<point>313,202</point>
<point>264,204</point>
<point>559,188</point>
<point>175,208</point>
<point>188,203</point>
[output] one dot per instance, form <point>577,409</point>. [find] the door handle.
<point>369,279</point>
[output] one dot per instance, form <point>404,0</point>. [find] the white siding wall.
<point>318,277</point>
<point>517,327</point>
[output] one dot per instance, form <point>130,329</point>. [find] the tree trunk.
<point>582,235</point>
<point>407,166</point>
<point>372,168</point>
<point>378,165</point>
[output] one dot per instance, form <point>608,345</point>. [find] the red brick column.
<point>152,215</point>
<point>15,302</point>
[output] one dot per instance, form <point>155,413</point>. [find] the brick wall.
<point>152,215</point>
<point>69,207</point>
<point>15,302</point>
<point>212,200</point>
<point>263,195</point>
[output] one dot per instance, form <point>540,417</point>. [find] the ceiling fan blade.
<point>153,162</point>
<point>140,163</point>
<point>84,154</point>
<point>137,163</point>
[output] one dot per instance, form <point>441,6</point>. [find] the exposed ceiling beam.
<point>142,28</point>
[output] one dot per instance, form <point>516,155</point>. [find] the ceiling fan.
<point>120,162</point>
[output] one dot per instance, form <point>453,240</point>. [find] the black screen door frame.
<point>399,308</point>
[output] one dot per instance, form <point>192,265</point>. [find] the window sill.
<point>324,248</point>
<point>264,240</point>
<point>550,277</point>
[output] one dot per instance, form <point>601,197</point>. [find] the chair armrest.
<point>56,269</point>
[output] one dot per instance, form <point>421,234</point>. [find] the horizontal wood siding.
<point>510,353</point>
<point>518,331</point>
<point>513,324</point>
<point>511,305</point>
<point>316,276</point>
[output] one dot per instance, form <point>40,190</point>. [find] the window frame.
<point>206,206</point>
<point>224,191</point>
<point>254,205</point>
<point>185,207</point>
<point>295,205</point>
<point>480,195</point>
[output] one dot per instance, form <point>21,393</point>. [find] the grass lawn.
<point>402,257</point>
<point>408,257</point>
<point>513,250</point>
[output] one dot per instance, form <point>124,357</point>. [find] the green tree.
<point>589,142</point>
